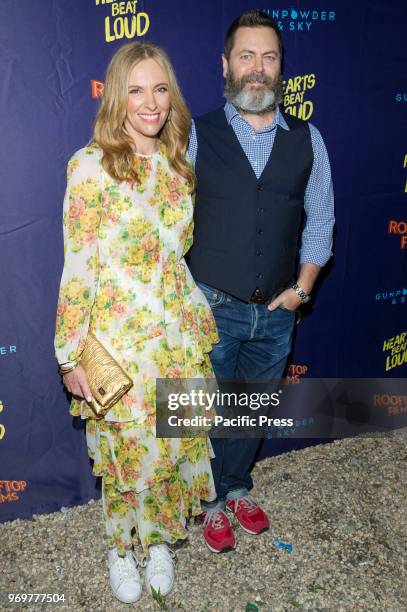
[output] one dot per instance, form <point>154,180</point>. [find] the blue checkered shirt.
<point>316,239</point>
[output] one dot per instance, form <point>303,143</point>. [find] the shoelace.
<point>142,562</point>
<point>159,558</point>
<point>126,567</point>
<point>215,518</point>
<point>247,502</point>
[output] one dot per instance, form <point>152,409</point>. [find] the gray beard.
<point>254,102</point>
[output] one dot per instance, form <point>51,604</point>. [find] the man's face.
<point>253,73</point>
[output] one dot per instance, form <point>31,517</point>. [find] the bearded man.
<point>260,172</point>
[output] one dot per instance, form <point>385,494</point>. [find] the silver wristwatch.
<point>304,297</point>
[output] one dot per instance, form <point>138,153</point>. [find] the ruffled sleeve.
<point>81,220</point>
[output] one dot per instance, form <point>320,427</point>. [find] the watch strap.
<point>304,297</point>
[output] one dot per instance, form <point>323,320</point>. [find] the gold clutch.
<point>107,380</point>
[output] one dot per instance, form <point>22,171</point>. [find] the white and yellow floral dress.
<point>125,280</point>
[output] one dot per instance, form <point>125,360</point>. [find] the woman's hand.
<point>77,384</point>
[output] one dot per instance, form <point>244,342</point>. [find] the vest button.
<point>260,231</point>
<point>259,275</point>
<point>260,210</point>
<point>259,252</point>
<point>259,187</point>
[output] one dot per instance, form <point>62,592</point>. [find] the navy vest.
<point>247,229</point>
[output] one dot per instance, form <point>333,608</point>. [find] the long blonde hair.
<point>109,131</point>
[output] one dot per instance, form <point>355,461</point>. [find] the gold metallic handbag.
<point>107,380</point>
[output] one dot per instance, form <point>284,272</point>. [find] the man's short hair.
<point>252,19</point>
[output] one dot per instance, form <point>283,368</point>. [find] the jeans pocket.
<point>214,297</point>
<point>285,309</point>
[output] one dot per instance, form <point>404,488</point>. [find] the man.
<point>258,172</point>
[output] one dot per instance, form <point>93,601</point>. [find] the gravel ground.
<point>342,506</point>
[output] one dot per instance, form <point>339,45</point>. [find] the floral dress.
<point>125,280</point>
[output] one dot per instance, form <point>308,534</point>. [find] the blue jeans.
<point>254,345</point>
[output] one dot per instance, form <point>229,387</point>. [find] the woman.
<point>127,225</point>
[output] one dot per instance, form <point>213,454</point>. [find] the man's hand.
<point>288,299</point>
<point>77,384</point>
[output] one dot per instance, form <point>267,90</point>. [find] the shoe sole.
<point>223,550</point>
<point>253,532</point>
<point>126,601</point>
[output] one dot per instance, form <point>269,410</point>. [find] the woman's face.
<point>148,104</point>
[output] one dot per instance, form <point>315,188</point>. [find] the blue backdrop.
<point>345,71</point>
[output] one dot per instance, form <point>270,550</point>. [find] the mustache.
<point>256,78</point>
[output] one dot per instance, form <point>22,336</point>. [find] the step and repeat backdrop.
<point>345,71</point>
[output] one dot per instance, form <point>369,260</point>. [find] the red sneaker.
<point>249,514</point>
<point>217,531</point>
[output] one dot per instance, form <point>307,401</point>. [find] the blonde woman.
<point>127,225</point>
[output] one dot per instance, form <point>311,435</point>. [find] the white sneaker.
<point>124,576</point>
<point>160,569</point>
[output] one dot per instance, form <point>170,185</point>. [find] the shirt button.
<point>254,137</point>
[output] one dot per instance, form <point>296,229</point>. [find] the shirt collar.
<point>231,114</point>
